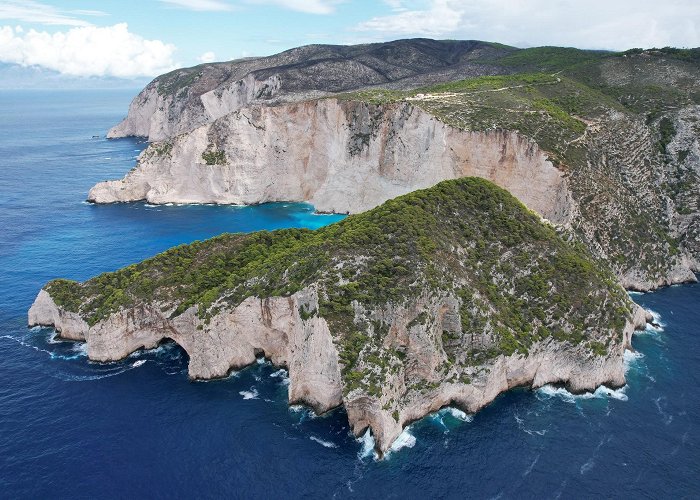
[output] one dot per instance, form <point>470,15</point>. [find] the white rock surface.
<point>339,156</point>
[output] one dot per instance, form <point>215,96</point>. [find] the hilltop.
<point>447,295</point>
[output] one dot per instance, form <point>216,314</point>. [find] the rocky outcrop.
<point>274,328</point>
<point>186,98</point>
<point>344,157</point>
<point>45,312</point>
<point>159,116</point>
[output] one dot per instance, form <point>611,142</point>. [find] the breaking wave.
<point>367,445</point>
<point>251,394</point>
<point>457,413</point>
<point>320,441</point>
<point>550,391</point>
<point>405,440</point>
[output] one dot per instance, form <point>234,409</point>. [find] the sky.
<point>132,40</point>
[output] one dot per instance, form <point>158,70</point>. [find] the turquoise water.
<point>74,429</point>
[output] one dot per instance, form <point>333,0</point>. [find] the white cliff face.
<point>159,116</point>
<point>274,328</point>
<point>44,312</point>
<point>339,156</point>
<point>141,111</point>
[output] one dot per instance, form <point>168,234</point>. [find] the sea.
<point>138,428</point>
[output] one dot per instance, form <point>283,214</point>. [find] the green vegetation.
<point>550,58</point>
<point>515,278</point>
<point>159,149</point>
<point>666,133</point>
<point>214,157</point>
<point>588,110</point>
<point>175,82</point>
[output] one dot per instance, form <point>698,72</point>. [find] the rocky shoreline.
<point>274,328</point>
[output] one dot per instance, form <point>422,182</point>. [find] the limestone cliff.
<point>340,156</point>
<point>446,296</point>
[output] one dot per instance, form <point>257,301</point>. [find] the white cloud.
<point>201,5</point>
<point>306,6</point>
<point>29,11</point>
<point>86,12</point>
<point>207,57</point>
<point>438,19</point>
<point>87,51</point>
<point>603,24</point>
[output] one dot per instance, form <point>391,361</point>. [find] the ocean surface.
<point>139,429</point>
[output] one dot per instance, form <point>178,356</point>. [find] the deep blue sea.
<point>139,429</point>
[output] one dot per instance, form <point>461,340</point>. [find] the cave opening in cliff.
<point>172,354</point>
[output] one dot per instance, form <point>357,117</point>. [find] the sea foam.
<point>320,441</point>
<point>251,394</point>
<point>405,440</point>
<point>550,391</point>
<point>367,445</point>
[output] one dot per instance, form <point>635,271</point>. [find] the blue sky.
<point>142,38</point>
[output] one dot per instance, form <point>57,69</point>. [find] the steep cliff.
<point>340,156</point>
<point>446,296</point>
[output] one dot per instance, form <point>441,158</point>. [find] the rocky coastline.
<point>274,329</point>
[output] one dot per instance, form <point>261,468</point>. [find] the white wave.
<point>532,432</point>
<point>81,348</point>
<point>168,204</point>
<point>52,355</point>
<point>667,418</point>
<point>87,378</point>
<point>632,292</point>
<point>282,375</point>
<point>138,363</point>
<point>107,157</point>
<point>149,205</point>
<point>405,440</point>
<point>303,412</point>
<point>550,391</point>
<point>587,466</point>
<point>367,442</point>
<point>630,358</point>
<point>53,338</point>
<point>251,394</point>
<point>458,414</point>
<point>260,361</point>
<point>320,441</point>
<point>619,394</point>
<point>531,466</point>
<point>658,325</point>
